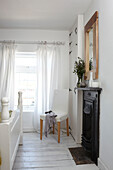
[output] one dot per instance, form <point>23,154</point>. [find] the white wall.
<point>105,8</point>
<point>39,35</point>
<point>28,122</point>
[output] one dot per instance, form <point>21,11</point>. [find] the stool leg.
<point>58,132</point>
<point>67,124</point>
<point>41,127</point>
<point>53,128</point>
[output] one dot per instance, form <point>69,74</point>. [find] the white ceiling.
<point>41,14</point>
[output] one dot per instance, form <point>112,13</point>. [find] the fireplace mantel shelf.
<point>88,89</point>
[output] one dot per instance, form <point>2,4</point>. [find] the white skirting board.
<point>101,165</point>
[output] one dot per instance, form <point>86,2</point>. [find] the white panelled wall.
<point>77,48</point>
<point>39,35</point>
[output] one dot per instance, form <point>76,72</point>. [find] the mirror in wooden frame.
<point>91,46</point>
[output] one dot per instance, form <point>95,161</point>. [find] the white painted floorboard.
<point>47,154</point>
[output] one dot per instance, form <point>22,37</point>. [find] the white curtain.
<point>48,78</point>
<point>7,60</point>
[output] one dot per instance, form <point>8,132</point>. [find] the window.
<point>25,78</point>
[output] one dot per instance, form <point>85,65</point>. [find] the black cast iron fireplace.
<point>91,113</point>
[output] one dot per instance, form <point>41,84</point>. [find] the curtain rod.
<point>34,42</point>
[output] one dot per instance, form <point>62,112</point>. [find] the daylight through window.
<point>25,78</point>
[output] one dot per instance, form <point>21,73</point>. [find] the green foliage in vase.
<point>79,67</point>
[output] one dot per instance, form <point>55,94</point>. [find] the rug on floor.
<point>80,156</point>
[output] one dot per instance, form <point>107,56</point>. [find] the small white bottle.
<point>91,79</point>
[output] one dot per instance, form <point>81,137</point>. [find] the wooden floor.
<point>47,154</point>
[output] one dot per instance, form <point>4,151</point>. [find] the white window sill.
<point>28,111</point>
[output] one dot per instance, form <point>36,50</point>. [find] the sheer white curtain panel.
<point>7,65</point>
<point>48,78</point>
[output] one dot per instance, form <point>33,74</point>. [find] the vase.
<point>82,84</point>
<point>78,83</point>
<point>91,79</point>
<point>79,80</point>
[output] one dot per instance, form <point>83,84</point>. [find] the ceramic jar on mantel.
<point>91,79</point>
<point>4,111</point>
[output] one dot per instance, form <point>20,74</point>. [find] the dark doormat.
<point>80,156</point>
